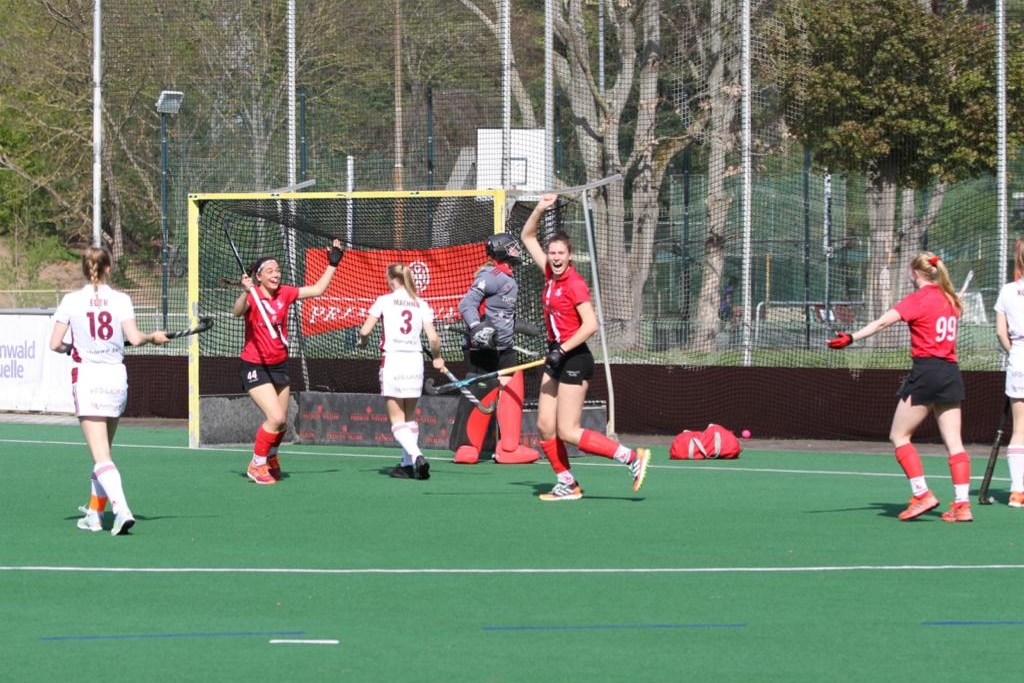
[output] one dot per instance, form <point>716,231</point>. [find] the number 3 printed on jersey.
<point>945,329</point>
<point>406,327</point>
<point>100,326</point>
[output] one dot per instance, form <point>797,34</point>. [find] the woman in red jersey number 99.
<point>934,385</point>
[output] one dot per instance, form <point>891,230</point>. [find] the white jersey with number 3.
<point>95,316</point>
<point>402,317</point>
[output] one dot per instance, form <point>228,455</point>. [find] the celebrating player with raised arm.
<point>101,320</point>
<point>405,316</point>
<point>934,384</point>
<point>571,321</point>
<point>264,357</point>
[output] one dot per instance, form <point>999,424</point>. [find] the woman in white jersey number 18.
<point>405,316</point>
<point>100,319</point>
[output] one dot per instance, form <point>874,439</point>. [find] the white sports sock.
<point>407,438</point>
<point>95,487</point>
<point>565,477</point>
<point>1015,459</point>
<point>961,492</point>
<point>918,486</point>
<point>110,479</point>
<point>622,454</point>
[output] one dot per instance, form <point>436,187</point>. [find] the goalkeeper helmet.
<point>504,248</point>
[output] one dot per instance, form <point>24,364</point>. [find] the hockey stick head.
<point>429,388</point>
<point>203,325</point>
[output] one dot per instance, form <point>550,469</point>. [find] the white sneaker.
<point>123,521</point>
<point>91,522</point>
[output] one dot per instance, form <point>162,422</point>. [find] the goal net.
<point>440,235</point>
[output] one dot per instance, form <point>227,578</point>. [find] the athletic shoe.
<point>259,474</point>
<point>123,521</point>
<point>1016,499</point>
<point>402,472</point>
<point>958,512</point>
<point>563,492</point>
<point>919,505</point>
<point>91,521</point>
<point>638,466</point>
<point>274,466</point>
<point>421,467</point>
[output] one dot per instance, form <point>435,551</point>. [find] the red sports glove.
<point>841,341</point>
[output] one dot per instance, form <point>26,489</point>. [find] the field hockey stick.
<point>252,289</point>
<point>993,455</point>
<point>486,410</point>
<point>458,385</point>
<point>202,326</point>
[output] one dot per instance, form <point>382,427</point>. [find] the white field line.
<point>577,462</point>
<point>508,571</point>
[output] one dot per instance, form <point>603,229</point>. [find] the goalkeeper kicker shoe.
<point>958,512</point>
<point>638,466</point>
<point>1016,499</point>
<point>563,492</point>
<point>919,505</point>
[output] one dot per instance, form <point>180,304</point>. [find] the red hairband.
<point>934,260</point>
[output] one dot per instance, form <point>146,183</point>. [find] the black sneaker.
<point>422,467</point>
<point>403,472</point>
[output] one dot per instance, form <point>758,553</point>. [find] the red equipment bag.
<point>714,442</point>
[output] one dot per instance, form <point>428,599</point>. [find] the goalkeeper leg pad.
<point>473,426</point>
<point>510,425</point>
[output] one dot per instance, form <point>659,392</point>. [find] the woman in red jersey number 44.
<point>934,385</point>
<point>264,358</point>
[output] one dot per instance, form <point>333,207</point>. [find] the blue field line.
<point>606,627</point>
<point>972,623</point>
<point>144,636</point>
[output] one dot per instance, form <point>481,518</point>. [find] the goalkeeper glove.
<point>483,336</point>
<point>841,340</point>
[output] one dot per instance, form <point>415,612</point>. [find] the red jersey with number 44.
<point>260,347</point>
<point>561,296</point>
<point>933,323</point>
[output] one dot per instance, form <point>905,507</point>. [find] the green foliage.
<point>887,87</point>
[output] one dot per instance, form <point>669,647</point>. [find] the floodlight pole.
<point>168,103</point>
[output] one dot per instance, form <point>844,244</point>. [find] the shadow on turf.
<point>886,510</point>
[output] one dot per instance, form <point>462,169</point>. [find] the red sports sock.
<point>279,437</point>
<point>264,440</point>
<point>557,454</point>
<point>909,460</point>
<point>960,468</point>
<point>597,443</point>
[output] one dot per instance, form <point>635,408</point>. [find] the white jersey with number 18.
<point>95,316</point>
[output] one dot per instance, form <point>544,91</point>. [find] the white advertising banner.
<point>32,377</point>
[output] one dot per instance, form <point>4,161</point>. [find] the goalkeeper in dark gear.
<point>488,309</point>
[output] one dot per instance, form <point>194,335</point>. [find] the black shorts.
<point>577,368</point>
<point>255,374</point>
<point>932,380</point>
<point>482,361</point>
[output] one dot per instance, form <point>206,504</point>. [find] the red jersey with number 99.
<point>933,323</point>
<point>561,296</point>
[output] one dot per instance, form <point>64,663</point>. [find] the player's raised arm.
<point>529,234</point>
<point>334,255</point>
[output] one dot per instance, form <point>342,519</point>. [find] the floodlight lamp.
<point>169,101</point>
